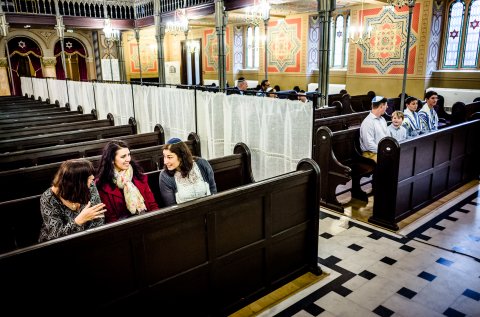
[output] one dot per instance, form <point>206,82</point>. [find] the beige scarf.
<point>133,199</point>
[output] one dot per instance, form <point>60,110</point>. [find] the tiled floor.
<point>425,269</point>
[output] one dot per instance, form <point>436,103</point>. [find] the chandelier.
<point>401,3</point>
<point>179,23</point>
<point>360,35</point>
<point>258,13</point>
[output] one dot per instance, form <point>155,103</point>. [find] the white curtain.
<point>27,87</point>
<point>277,131</point>
<point>115,99</point>
<point>57,90</point>
<point>172,108</point>
<point>81,94</point>
<point>40,88</point>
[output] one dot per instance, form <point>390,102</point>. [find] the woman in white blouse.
<point>184,177</point>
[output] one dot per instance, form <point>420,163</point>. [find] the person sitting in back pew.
<point>122,186</point>
<point>184,176</point>
<point>72,204</point>
<point>412,121</point>
<point>373,128</point>
<point>396,129</point>
<point>428,115</point>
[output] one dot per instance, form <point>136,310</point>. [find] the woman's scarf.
<point>133,199</point>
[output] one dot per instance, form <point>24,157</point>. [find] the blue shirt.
<point>372,130</point>
<point>399,133</point>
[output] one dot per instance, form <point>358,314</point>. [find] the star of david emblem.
<point>339,34</point>
<point>69,45</point>
<point>474,24</point>
<point>454,34</point>
<point>21,44</point>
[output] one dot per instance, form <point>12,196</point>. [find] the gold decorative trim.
<point>49,61</point>
<point>3,62</point>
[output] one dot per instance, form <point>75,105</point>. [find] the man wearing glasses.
<point>428,116</point>
<point>264,85</point>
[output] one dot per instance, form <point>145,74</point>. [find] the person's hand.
<point>90,213</point>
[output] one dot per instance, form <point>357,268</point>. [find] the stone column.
<point>49,67</point>
<point>4,81</point>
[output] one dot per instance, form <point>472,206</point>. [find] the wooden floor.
<point>355,211</point>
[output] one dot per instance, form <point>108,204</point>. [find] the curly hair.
<point>184,156</point>
<point>106,170</point>
<point>71,180</point>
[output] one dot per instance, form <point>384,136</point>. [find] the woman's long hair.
<point>71,180</point>
<point>106,170</point>
<point>184,155</point>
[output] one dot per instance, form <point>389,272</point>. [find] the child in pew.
<point>72,204</point>
<point>184,176</point>
<point>122,186</point>
<point>396,129</point>
<point>412,120</point>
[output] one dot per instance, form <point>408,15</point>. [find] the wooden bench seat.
<point>45,121</point>
<point>341,122</point>
<point>4,109</point>
<point>217,254</point>
<point>56,128</point>
<point>13,182</point>
<point>339,156</point>
<point>39,115</point>
<point>418,171</point>
<point>63,152</point>
<point>39,141</point>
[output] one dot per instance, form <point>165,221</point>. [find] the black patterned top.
<point>59,220</point>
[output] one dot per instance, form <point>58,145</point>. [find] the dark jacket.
<point>114,200</point>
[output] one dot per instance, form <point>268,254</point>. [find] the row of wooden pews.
<point>218,253</point>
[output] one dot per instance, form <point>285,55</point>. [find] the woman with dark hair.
<point>72,204</point>
<point>121,183</point>
<point>184,177</point>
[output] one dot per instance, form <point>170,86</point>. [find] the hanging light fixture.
<point>258,12</point>
<point>359,35</point>
<point>180,21</point>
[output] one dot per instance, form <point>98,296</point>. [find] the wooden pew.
<point>31,107</point>
<point>207,257</point>
<point>339,156</point>
<point>418,171</point>
<point>39,141</point>
<point>45,121</point>
<point>230,171</point>
<point>63,111</point>
<point>63,152</point>
<point>334,110</point>
<point>341,122</point>
<point>57,128</point>
<point>13,182</point>
<point>472,108</point>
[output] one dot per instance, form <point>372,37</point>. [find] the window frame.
<point>255,48</point>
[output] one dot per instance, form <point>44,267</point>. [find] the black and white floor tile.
<point>431,270</point>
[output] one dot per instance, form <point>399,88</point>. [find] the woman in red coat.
<point>122,186</point>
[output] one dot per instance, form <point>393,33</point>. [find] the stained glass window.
<point>452,46</point>
<point>470,54</point>
<point>252,47</point>
<point>339,36</point>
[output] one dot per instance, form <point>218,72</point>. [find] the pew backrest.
<point>341,122</point>
<point>39,141</point>
<point>45,121</point>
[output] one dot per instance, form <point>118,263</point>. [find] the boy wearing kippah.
<point>396,129</point>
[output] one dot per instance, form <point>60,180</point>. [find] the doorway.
<point>192,62</point>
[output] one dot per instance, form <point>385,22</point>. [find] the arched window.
<point>462,35</point>
<point>252,56</point>
<point>338,43</point>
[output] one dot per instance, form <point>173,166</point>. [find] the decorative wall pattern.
<point>237,48</point>
<point>211,50</point>
<point>435,37</point>
<point>384,52</point>
<point>313,38</point>
<point>148,58</point>
<point>284,45</point>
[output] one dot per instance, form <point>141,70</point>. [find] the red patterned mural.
<point>384,52</point>
<point>284,45</point>
<point>210,58</point>
<point>148,58</point>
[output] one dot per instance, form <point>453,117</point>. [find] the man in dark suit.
<point>240,89</point>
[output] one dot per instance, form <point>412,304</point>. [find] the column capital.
<point>49,61</point>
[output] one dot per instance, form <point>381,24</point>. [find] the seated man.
<point>412,121</point>
<point>374,128</point>
<point>428,115</point>
<point>263,88</point>
<point>241,87</point>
